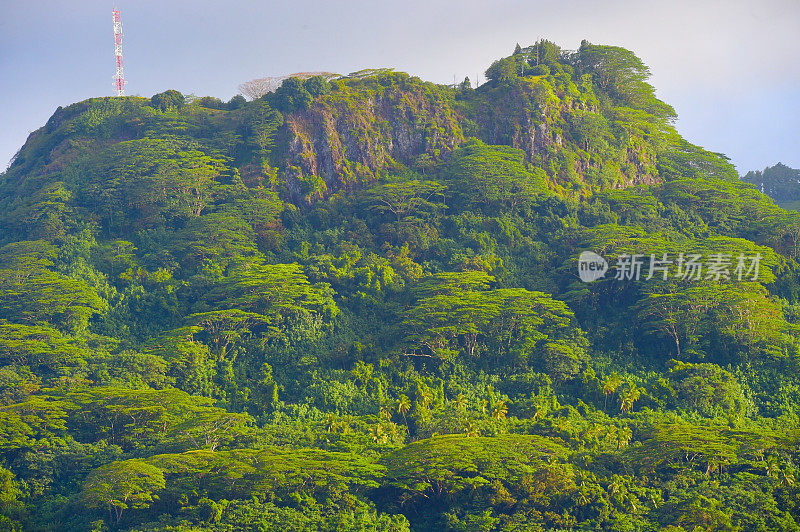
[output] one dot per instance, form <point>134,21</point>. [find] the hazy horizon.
<point>730,69</point>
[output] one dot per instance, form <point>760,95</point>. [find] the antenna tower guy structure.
<point>119,77</point>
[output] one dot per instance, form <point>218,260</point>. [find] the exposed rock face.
<point>539,121</point>
<point>564,123</point>
<point>348,138</point>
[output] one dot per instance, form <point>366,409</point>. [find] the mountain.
<point>356,303</point>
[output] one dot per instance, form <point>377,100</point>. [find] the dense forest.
<point>354,304</point>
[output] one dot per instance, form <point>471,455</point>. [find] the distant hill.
<point>779,182</point>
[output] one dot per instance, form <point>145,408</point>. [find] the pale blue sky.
<point>730,68</point>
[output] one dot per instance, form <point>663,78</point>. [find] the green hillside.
<point>355,305</point>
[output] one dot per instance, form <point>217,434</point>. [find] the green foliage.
<point>293,94</point>
<point>122,485</point>
<point>167,100</point>
<point>317,85</point>
<point>494,177</point>
<point>513,325</point>
<point>31,291</point>
<point>708,389</point>
<point>779,182</point>
<point>262,123</point>
<point>352,304</point>
<point>504,473</point>
<point>503,70</point>
<point>623,75</point>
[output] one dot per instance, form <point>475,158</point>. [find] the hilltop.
<point>354,304</point>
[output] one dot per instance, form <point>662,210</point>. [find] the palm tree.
<point>773,468</point>
<point>630,396</point>
<point>425,397</point>
<point>460,402</point>
<point>345,425</point>
<point>610,386</point>
<point>542,407</point>
<point>378,435</point>
<point>500,411</point>
<point>330,422</point>
<point>583,500</point>
<point>403,406</point>
<point>780,472</point>
<point>392,432</point>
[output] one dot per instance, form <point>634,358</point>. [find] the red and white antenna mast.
<point>119,77</point>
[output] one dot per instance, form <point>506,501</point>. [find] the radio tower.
<point>119,78</point>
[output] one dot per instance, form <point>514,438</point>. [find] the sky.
<point>731,69</point>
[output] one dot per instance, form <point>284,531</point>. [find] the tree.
<point>207,428</point>
<point>31,291</point>
<point>670,447</point>
<point>215,240</point>
<point>707,314</point>
<point>236,102</point>
<point>292,95</point>
<point>225,327</point>
<point>256,88</point>
<point>610,386</point>
<point>629,396</point>
<point>494,176</point>
<point>503,70</point>
<point>122,485</point>
<point>707,388</point>
<point>500,411</point>
<point>147,182</point>
<point>676,314</point>
<point>210,102</point>
<point>167,100</point>
<point>143,418</point>
<point>545,53</point>
<point>10,493</point>
<point>453,311</point>
<point>403,198</point>
<point>623,437</point>
<point>453,468</point>
<point>265,393</point>
<point>403,406</point>
<point>46,214</point>
<point>623,75</point>
<point>317,85</point>
<point>44,349</point>
<point>272,296</point>
<point>190,362</point>
<point>779,182</point>
<point>262,124</point>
